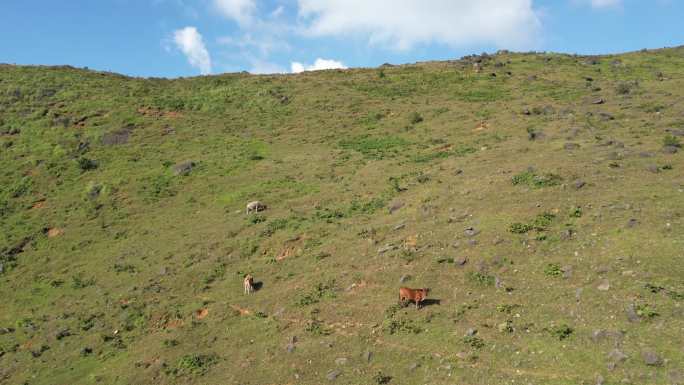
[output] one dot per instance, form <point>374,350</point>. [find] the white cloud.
<point>319,64</point>
<point>241,11</point>
<point>401,24</point>
<point>189,41</point>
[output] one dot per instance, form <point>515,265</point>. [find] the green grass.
<point>116,270</point>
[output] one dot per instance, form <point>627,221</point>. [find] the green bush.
<point>553,270</point>
<point>194,364</point>
<point>561,332</point>
<point>671,140</point>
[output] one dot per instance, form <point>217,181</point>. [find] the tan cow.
<point>249,284</point>
<point>415,295</point>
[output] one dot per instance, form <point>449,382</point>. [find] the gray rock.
<point>653,168</point>
<point>604,285</point>
<point>471,332</point>
<point>578,184</point>
<point>567,271</point>
<point>2,268</point>
<point>604,116</point>
<point>472,242</point>
<point>341,361</point>
<point>399,226</point>
<point>651,358</point>
<point>600,380</point>
<point>632,222</point>
<point>413,366</point>
<point>395,206</point>
<point>368,356</point>
<point>571,146</point>
<point>598,101</point>
<point>117,137</point>
<point>290,348</point>
<point>460,260</point>
<point>632,315</point>
<point>670,149</point>
<point>404,278</point>
<point>616,355</point>
<point>333,374</point>
<point>471,231</point>
<point>578,293</point>
<point>386,248</point>
<point>646,154</point>
<point>566,234</point>
<point>183,168</point>
<point>675,132</point>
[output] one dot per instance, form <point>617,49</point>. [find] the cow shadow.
<point>430,302</point>
<point>257,285</point>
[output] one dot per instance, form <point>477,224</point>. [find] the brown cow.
<point>415,295</point>
<point>249,284</point>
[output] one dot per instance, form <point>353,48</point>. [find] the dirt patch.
<point>201,313</point>
<point>411,242</point>
<point>241,310</point>
<point>54,232</point>
<point>290,248</point>
<point>165,321</point>
<point>482,126</point>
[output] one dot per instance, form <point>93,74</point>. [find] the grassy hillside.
<point>540,199</point>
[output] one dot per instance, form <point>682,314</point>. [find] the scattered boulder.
<point>598,101</point>
<point>600,380</point>
<point>290,348</point>
<point>395,206</point>
<point>651,358</point>
<point>616,355</point>
<point>460,260</point>
<point>571,146</point>
<point>566,234</point>
<point>413,366</point>
<point>471,232</point>
<point>653,168</point>
<point>670,149</point>
<point>368,356</point>
<point>632,315</point>
<point>333,374</point>
<point>471,332</point>
<point>604,116</point>
<point>604,285</point>
<point>567,271</point>
<point>184,168</point>
<point>632,223</point>
<point>117,137</point>
<point>341,361</point>
<point>386,248</point>
<point>405,278</point>
<point>578,184</point>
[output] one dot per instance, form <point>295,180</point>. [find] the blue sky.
<point>170,38</point>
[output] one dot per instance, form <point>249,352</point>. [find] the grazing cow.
<point>249,284</point>
<point>255,206</point>
<point>415,295</point>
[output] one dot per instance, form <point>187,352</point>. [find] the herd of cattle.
<point>406,294</point>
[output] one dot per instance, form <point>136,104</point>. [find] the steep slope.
<point>539,198</point>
